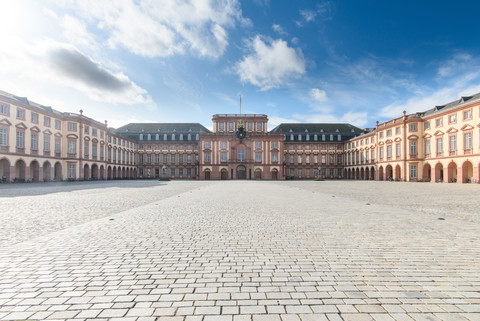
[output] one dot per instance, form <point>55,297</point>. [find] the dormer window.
<point>141,136</point>
<point>331,137</point>
<point>157,137</point>
<point>173,136</point>
<point>291,137</point>
<point>307,137</point>
<point>189,137</point>
<point>181,136</point>
<point>315,137</point>
<point>299,137</point>
<point>149,137</point>
<point>165,137</point>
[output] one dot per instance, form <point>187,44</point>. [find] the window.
<point>397,131</point>
<point>413,171</point>
<point>20,113</point>
<point>299,172</point>
<point>331,159</point>
<point>241,155</point>
<point>339,159</point>
<point>258,157</point>
<point>180,172</point>
<point>389,132</point>
<point>189,172</point>
<point>339,137</point>
<point>331,137</point>
<point>259,126</point>
<point>453,143</point>
<point>413,127</point>
<point>307,159</point>
<point>20,139</point>
<point>94,149</point>
<point>389,151</point>
<point>427,125</point>
<point>381,134</point>
<point>46,121</point>
<point>149,159</point>
<point>34,141</point>
<point>157,159</point>
<point>299,137</point>
<point>223,145</point>
<point>413,148</point>
<point>71,171</point>
<point>57,145</point>
<point>4,109</point>
<point>3,136</point>
<point>292,159</point>
<point>172,172</point>
<point>189,159</point>
<point>206,144</point>
<point>172,159</point>
<point>258,145</point>
<point>299,159</point>
<point>140,158</point>
<point>438,122</point>
<point>398,148</point>
<point>230,126</point>
<point>94,132</point>
<point>35,118</point>
<point>315,159</point>
<point>373,155</point>
<point>72,127</point>
<point>324,159</point>
<point>223,157</point>
<point>58,124</point>
<point>180,159</point>
<point>468,141</point>
<point>439,145</point>
<point>208,157</point>
<point>85,149</point>
<point>452,119</point>
<point>72,146</point>
<point>467,114</point>
<point>164,159</point>
<point>274,157</point>
<point>46,143</point>
<point>221,126</point>
<point>427,146</point>
<point>381,152</point>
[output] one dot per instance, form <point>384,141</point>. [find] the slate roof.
<point>162,128</point>
<point>451,105</point>
<point>322,130</point>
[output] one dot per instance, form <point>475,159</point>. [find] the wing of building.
<point>39,143</point>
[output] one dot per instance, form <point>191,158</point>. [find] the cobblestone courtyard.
<point>240,250</point>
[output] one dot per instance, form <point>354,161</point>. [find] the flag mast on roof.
<point>240,104</point>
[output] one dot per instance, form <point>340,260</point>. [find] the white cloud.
<point>311,15</point>
<point>270,63</point>
<point>76,32</point>
<point>453,65</point>
<point>162,28</point>
<point>318,94</point>
<point>278,29</point>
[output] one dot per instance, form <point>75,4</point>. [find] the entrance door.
<point>207,174</point>
<point>274,174</point>
<point>157,172</point>
<point>224,174</point>
<point>241,172</point>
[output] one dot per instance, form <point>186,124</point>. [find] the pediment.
<point>467,127</point>
<point>398,139</point>
<point>452,130</point>
<point>87,139</point>
<point>5,122</point>
<point>34,129</point>
<point>72,136</point>
<point>58,135</point>
<point>388,141</point>
<point>47,132</point>
<point>22,126</point>
<point>427,136</point>
<point>412,137</point>
<point>381,143</point>
<point>95,140</point>
<point>438,133</point>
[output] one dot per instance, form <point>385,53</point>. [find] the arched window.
<point>157,137</point>
<point>189,137</point>
<point>181,136</point>
<point>173,136</point>
<point>291,137</point>
<point>315,137</point>
<point>299,137</point>
<point>149,137</point>
<point>141,136</point>
<point>165,137</point>
<point>331,136</point>
<point>197,137</point>
<point>308,137</point>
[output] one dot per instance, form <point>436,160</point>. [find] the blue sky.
<point>296,61</point>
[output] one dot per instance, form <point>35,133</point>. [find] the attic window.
<point>321,130</point>
<point>306,130</point>
<point>352,130</point>
<point>336,130</point>
<point>291,131</point>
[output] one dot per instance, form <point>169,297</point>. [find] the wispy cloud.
<point>270,63</point>
<point>279,29</point>
<point>160,29</point>
<point>310,15</point>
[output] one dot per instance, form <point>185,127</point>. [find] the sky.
<point>185,60</point>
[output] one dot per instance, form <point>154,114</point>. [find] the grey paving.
<point>243,250</point>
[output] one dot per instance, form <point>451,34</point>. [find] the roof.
<point>451,105</point>
<point>317,128</point>
<point>162,128</point>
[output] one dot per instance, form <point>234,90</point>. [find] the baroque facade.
<point>38,143</point>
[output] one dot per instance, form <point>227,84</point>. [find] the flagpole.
<point>240,104</point>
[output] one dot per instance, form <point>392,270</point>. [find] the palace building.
<point>38,143</point>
